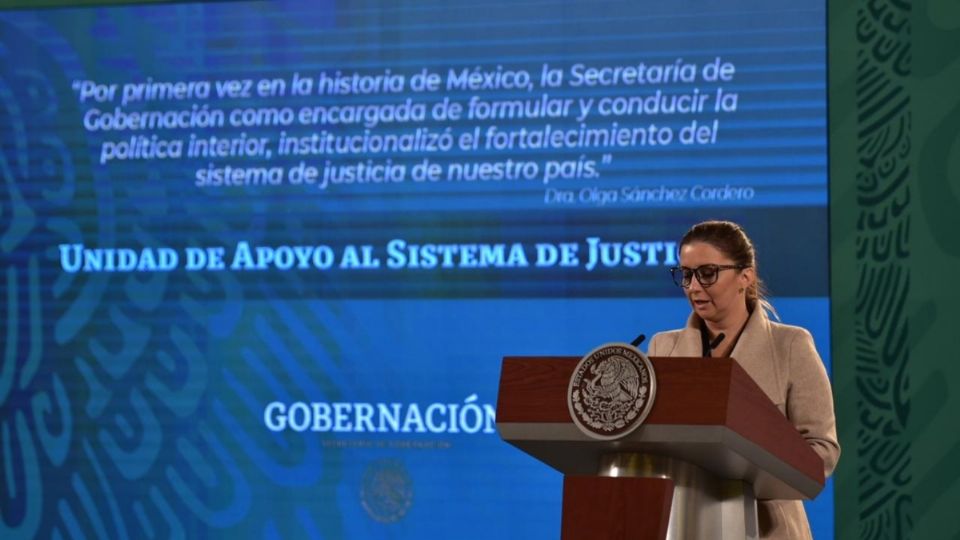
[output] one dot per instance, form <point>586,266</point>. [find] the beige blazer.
<point>784,362</point>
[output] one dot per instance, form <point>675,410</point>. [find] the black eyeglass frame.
<point>686,274</point>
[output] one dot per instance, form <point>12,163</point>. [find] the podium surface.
<point>708,413</point>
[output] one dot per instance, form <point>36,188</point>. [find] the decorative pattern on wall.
<point>884,118</point>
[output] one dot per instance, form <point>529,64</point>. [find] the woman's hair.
<point>732,241</point>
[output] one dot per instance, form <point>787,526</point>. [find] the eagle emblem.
<point>611,391</point>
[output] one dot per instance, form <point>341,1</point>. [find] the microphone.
<point>716,341</point>
<point>638,340</point>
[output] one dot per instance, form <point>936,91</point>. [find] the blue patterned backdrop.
<point>356,402</point>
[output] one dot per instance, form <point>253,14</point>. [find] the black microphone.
<point>716,341</point>
<point>638,340</point>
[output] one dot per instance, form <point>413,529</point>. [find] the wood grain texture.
<point>604,508</point>
<point>690,391</point>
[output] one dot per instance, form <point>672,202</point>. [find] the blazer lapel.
<point>755,352</point>
<point>689,344</point>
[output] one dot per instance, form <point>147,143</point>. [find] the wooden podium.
<point>712,444</point>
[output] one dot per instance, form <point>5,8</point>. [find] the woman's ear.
<point>748,276</point>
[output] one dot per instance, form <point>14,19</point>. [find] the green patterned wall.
<point>895,237</point>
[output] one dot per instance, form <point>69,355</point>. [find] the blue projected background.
<point>262,259</point>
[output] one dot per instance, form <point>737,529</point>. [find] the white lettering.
<point>469,416</point>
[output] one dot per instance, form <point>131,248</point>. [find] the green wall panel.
<point>895,221</point>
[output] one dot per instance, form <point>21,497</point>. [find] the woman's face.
<point>724,297</point>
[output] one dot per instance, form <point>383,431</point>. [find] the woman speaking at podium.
<point>718,274</point>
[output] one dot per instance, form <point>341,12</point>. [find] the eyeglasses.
<point>707,274</point>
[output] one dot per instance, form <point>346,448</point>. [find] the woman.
<point>718,273</point>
